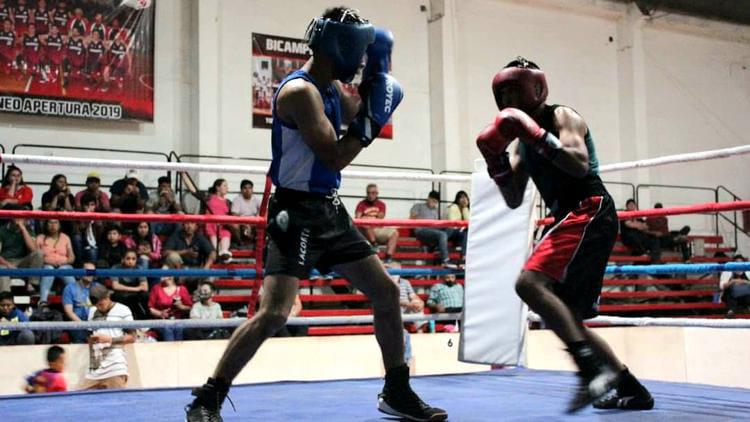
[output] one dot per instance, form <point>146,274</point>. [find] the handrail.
<point>733,222</point>
<point>702,188</point>
<point>440,187</point>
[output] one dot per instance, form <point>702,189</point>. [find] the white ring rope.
<point>411,176</point>
<point>208,323</point>
<point>661,321</point>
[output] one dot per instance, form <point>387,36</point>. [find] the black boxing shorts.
<point>575,252</point>
<point>309,230</point>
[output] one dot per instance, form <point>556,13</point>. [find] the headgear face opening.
<point>344,43</point>
<point>527,78</point>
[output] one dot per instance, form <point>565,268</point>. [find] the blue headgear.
<point>344,43</point>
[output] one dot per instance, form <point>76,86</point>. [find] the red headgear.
<point>530,82</point>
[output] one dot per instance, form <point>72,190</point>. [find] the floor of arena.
<point>509,394</point>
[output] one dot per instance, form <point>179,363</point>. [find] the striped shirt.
<point>405,292</point>
<point>107,360</point>
<point>448,296</point>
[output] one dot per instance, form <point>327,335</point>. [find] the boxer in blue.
<point>308,225</point>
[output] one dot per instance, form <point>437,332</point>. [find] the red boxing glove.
<point>514,123</point>
<point>492,144</point>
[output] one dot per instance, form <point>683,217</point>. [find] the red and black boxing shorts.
<point>310,230</point>
<point>575,252</point>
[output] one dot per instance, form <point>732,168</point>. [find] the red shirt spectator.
<point>169,300</point>
<point>51,379</point>
<point>369,209</point>
<point>14,191</point>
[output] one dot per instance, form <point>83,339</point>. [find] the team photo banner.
<point>274,57</point>
<point>91,60</point>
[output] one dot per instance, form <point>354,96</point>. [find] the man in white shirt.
<point>108,366</point>
<point>246,205</point>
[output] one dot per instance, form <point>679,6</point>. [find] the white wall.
<point>662,86</point>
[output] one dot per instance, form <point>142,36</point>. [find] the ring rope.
<point>410,176</point>
<point>226,272</point>
<point>660,321</point>
<point>208,323</point>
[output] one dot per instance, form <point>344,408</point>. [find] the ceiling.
<point>735,11</point>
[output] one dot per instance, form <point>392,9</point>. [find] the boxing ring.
<point>512,393</point>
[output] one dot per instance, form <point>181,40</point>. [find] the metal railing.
<point>733,221</point>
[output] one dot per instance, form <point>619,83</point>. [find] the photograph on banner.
<point>83,59</point>
<point>274,57</point>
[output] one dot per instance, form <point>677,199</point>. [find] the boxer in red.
<point>562,279</point>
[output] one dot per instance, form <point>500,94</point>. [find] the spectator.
<point>372,207</point>
<point>59,198</point>
<point>86,233</point>
<point>428,210</point>
<point>129,196</point>
<point>447,296</point>
<point>93,190</point>
<point>9,313</point>
<point>459,210</point>
<point>108,366</point>
<point>659,227</point>
<point>206,308</point>
<point>410,304</point>
<point>76,302</point>
<point>131,290</point>
<point>147,245</point>
<point>18,250</point>
<point>14,193</point>
<point>735,289</point>
<point>218,204</point>
<point>169,301</point>
<point>51,379</point>
<point>246,205</point>
<point>634,234</point>
<point>112,248</point>
<point>187,248</point>
<point>57,251</point>
<point>163,201</point>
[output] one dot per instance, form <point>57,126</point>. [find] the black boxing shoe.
<point>595,378</point>
<point>398,399</point>
<point>208,400</point>
<point>628,395</point>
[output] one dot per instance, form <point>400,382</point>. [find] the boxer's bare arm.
<point>349,103</point>
<point>299,102</point>
<point>574,157</point>
<point>515,186</point>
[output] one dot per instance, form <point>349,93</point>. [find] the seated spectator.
<point>18,249</point>
<point>108,365</point>
<point>86,233</point>
<point>51,379</point>
<point>163,201</point>
<point>410,304</point>
<point>169,301</point>
<point>131,291</point>
<point>9,313</point>
<point>206,308</point>
<point>112,248</point>
<point>459,210</point>
<point>372,207</point>
<point>186,248</point>
<point>246,205</point>
<point>218,204</point>
<point>659,227</point>
<point>57,251</point>
<point>634,234</point>
<point>447,296</point>
<point>14,193</point>
<point>59,198</point>
<point>76,303</point>
<point>129,196</point>
<point>735,289</point>
<point>147,245</point>
<point>438,238</point>
<point>93,190</point>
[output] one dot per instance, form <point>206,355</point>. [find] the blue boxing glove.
<point>381,94</point>
<point>379,54</point>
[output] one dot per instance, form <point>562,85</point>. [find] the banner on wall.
<point>274,57</point>
<point>84,59</point>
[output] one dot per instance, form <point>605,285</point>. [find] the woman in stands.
<point>58,253</point>
<point>14,194</point>
<point>59,198</point>
<point>218,204</point>
<point>459,210</point>
<point>148,247</point>
<point>169,301</point>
